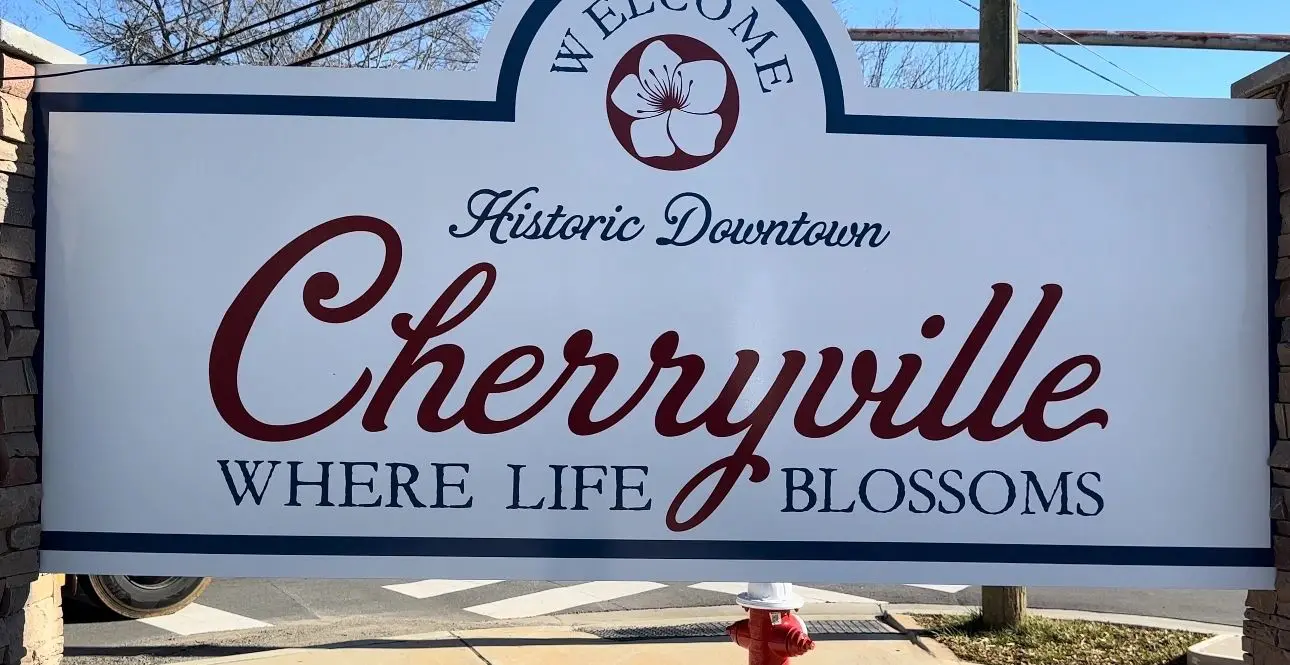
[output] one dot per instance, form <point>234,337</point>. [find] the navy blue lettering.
<point>570,59</point>
<point>691,218</point>
<point>976,501</point>
<point>773,68</point>
<point>681,220</point>
<point>805,487</point>
<point>515,491</point>
<point>620,485</point>
<point>248,480</point>
<point>636,11</point>
<point>954,492</point>
<point>580,484</point>
<point>599,19</point>
<point>725,11</point>
<point>507,216</point>
<point>297,483</point>
<point>350,484</point>
<point>405,485</point>
<point>751,20</point>
<point>1090,493</point>
<point>559,491</point>
<point>1045,502</point>
<point>460,485</point>
<point>864,490</point>
<point>914,484</point>
<point>828,495</point>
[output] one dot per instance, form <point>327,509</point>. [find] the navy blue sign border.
<point>502,109</point>
<point>699,550</point>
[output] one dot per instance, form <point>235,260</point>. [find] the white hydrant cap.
<point>770,596</point>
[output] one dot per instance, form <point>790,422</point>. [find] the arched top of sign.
<point>520,41</point>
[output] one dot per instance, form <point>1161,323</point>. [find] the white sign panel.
<point>659,291</point>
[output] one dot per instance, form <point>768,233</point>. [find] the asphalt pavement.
<point>237,616</point>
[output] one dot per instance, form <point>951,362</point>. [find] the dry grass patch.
<point>1042,641</point>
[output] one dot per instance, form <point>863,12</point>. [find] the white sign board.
<point>659,291</point>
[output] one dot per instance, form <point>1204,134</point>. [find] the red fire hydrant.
<point>772,633</point>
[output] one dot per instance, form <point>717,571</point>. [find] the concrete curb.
<point>732,612</point>
<point>1080,615</point>
<point>918,634</point>
<point>897,616</point>
<point>1217,650</point>
<point>564,623</point>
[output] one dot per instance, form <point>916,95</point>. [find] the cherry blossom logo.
<point>672,102</point>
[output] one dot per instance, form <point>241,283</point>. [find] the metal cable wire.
<point>391,32</point>
<point>1067,58</point>
<point>1095,53</point>
<point>219,54</point>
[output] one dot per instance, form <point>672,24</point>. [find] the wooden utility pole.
<point>997,61</point>
<point>1001,606</point>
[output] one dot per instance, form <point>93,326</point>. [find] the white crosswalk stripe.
<point>197,619</point>
<point>807,593</point>
<point>561,598</point>
<point>431,588</point>
<point>506,600</point>
<point>946,588</point>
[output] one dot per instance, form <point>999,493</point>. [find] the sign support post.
<point>1001,606</point>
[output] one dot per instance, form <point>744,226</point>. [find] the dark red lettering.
<point>235,327</point>
<point>451,358</point>
<point>717,418</point>
<point>604,367</point>
<point>980,423</point>
<point>1032,419</point>
<point>932,419</point>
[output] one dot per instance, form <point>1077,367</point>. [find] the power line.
<point>1095,53</point>
<point>336,13</point>
<point>222,38</point>
<point>391,32</point>
<point>1067,58</point>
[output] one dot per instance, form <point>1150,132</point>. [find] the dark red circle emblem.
<point>672,102</point>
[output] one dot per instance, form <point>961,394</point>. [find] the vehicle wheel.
<point>137,597</point>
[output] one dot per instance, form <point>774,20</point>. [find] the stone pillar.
<point>31,607</point>
<point>1266,639</point>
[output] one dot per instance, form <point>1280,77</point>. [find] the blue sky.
<point>1179,73</point>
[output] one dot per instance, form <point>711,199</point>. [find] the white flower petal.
<point>658,67</point>
<point>631,99</point>
<point>694,134</point>
<point>649,136</point>
<point>703,85</point>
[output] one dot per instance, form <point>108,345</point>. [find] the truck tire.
<point>137,597</point>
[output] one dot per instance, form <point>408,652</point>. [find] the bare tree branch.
<point>15,13</point>
<point>136,31</point>
<point>935,66</point>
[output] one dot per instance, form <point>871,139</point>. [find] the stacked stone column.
<point>1266,639</point>
<point>31,613</point>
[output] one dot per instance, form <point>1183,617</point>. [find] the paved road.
<point>237,616</point>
